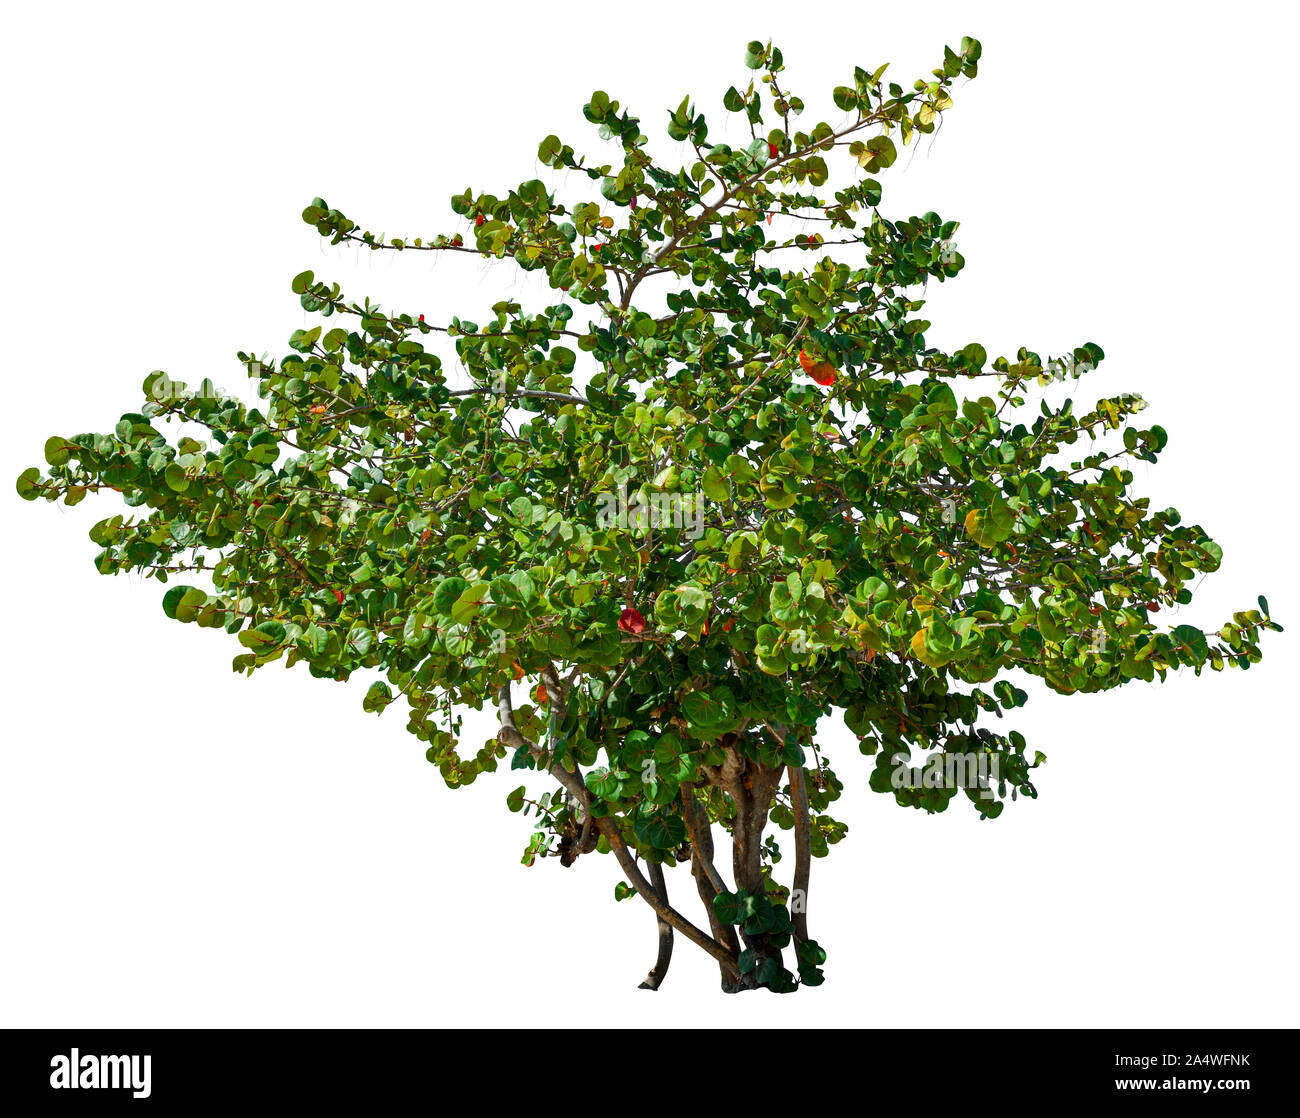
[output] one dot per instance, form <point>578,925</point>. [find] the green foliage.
<point>884,546</point>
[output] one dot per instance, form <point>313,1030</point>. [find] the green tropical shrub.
<point>720,489</point>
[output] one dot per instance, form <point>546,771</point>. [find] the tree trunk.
<point>802,853</point>
<point>751,788</point>
<point>659,971</point>
<point>708,882</point>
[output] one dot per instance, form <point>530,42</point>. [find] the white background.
<point>183,846</point>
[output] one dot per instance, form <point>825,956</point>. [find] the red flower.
<point>478,220</point>
<point>631,621</point>
<point>421,318</point>
<point>339,595</point>
<point>597,248</point>
<point>771,149</point>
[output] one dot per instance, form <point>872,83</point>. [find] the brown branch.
<point>802,854</point>
<point>576,786</point>
<point>659,971</point>
<point>730,192</point>
<point>701,836</point>
<point>294,563</point>
<point>636,878</point>
<point>708,882</point>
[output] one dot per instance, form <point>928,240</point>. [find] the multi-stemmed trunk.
<point>750,788</point>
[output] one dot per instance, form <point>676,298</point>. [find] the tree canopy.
<point>722,489</point>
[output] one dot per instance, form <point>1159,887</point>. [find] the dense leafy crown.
<point>721,488</point>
